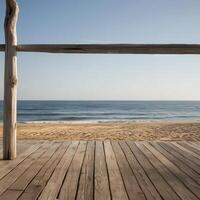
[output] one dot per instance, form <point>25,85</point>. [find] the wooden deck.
<point>102,171</point>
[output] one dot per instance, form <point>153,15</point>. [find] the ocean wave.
<point>106,111</point>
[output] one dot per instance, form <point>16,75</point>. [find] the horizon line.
<point>104,100</point>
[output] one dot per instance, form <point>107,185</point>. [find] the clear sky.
<point>106,77</point>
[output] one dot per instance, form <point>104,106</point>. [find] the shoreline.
<point>136,131</point>
<point>56,122</point>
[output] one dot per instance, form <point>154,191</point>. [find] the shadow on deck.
<point>102,171</point>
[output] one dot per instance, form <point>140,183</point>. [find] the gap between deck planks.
<point>102,170</point>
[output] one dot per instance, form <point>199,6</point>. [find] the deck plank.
<point>132,187</point>
<point>22,145</point>
<point>11,195</point>
<point>179,171</point>
<point>170,148</point>
<point>6,166</point>
<point>70,185</point>
<point>190,147</point>
<point>102,188</point>
<point>52,188</point>
<point>194,144</point>
<point>21,183</point>
<point>117,187</point>
<point>186,153</point>
<point>86,184</point>
<point>99,170</point>
<point>179,163</point>
<point>157,179</point>
<point>39,182</point>
<point>187,150</point>
<point>148,188</point>
<point>165,167</point>
<point>11,177</point>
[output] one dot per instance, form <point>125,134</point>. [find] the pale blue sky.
<point>89,77</point>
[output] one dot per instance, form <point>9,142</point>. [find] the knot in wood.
<point>13,81</point>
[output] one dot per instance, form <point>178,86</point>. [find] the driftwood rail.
<point>109,48</point>
<point>11,48</point>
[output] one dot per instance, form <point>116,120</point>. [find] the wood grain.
<point>10,81</point>
<point>145,183</point>
<point>102,188</point>
<point>86,185</point>
<point>132,187</point>
<point>109,48</point>
<point>117,186</point>
<point>173,176</point>
<point>70,184</point>
<point>156,178</point>
<point>99,170</point>
<point>36,186</point>
<point>51,190</point>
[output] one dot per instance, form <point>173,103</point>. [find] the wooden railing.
<point>109,48</point>
<point>11,48</point>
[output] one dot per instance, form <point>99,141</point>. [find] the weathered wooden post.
<point>10,81</point>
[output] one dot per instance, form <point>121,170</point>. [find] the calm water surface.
<point>106,111</point>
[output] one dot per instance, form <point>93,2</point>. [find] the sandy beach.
<point>163,131</point>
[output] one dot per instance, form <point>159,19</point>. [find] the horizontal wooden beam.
<point>110,48</point>
<point>2,47</point>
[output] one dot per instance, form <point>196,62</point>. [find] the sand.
<point>152,131</point>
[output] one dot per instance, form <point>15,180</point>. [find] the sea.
<point>105,111</point>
